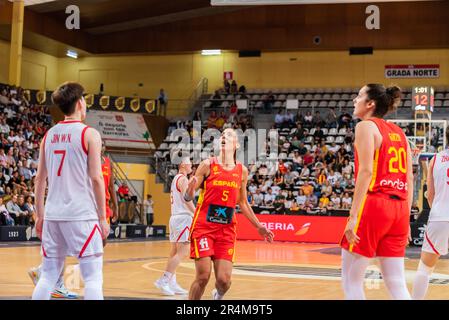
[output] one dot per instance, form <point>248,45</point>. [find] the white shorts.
<point>180,228</point>
<point>71,238</point>
<point>436,238</point>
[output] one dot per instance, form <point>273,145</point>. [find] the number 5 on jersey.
<point>61,152</point>
<point>225,196</point>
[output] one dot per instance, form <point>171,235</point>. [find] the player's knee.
<point>202,278</point>
<point>91,268</point>
<point>223,280</point>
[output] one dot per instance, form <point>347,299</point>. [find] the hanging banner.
<point>120,129</point>
<point>412,71</point>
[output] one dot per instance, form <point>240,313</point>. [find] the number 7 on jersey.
<point>62,160</point>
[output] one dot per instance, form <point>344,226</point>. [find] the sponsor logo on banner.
<point>295,228</point>
<point>121,129</point>
<point>413,71</point>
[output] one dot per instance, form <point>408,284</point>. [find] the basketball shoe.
<point>164,286</point>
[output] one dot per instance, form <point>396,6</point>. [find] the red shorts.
<point>217,245</point>
<point>382,228</point>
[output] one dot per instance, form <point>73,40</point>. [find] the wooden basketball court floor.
<point>262,271</point>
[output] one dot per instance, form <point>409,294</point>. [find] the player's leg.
<point>182,250</point>
<point>223,272</point>
<point>425,268</point>
<point>163,283</point>
<point>355,268</point>
<point>61,291</point>
<point>50,271</point>
<point>91,268</point>
<point>435,244</point>
<point>393,274</point>
<point>346,261</point>
<point>203,270</point>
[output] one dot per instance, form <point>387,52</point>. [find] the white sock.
<point>394,277</point>
<point>173,278</point>
<point>91,268</point>
<point>166,277</point>
<point>50,271</point>
<point>421,282</point>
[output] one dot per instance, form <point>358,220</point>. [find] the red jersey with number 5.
<point>70,192</point>
<point>390,161</point>
<point>218,199</point>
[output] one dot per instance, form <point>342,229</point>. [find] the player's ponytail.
<point>387,99</point>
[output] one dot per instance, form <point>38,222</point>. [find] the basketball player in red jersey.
<point>213,233</point>
<point>108,175</point>
<point>378,225</point>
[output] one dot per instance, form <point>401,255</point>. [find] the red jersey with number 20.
<point>390,161</point>
<point>217,201</point>
<point>70,192</point>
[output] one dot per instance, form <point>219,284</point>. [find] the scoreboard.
<point>423,98</point>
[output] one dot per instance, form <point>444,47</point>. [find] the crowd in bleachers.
<point>314,173</point>
<point>22,126</point>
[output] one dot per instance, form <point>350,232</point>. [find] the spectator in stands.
<point>5,217</point>
<point>123,192</point>
<point>299,118</point>
<point>297,161</point>
<point>334,148</point>
<point>216,99</point>
<point>25,213</point>
<point>279,205</point>
<point>31,208</point>
<point>163,102</point>
<point>331,119</point>
<point>336,200</point>
<point>338,189</point>
<point>211,121</point>
<point>289,178</point>
<point>268,102</point>
<point>279,119</point>
<point>4,127</point>
<point>14,210</point>
<point>197,116</point>
<point>289,120</point>
<point>258,198</point>
<point>318,135</point>
<point>234,87</point>
<point>299,133</point>
<point>221,120</point>
<point>4,97</point>
<point>346,201</point>
<point>308,158</point>
<point>350,187</point>
<point>307,189</point>
<point>226,86</point>
<point>318,120</point>
<point>345,120</point>
<point>269,197</point>
<point>295,207</point>
<point>282,167</point>
<point>242,91</point>
<point>308,120</point>
<point>149,211</point>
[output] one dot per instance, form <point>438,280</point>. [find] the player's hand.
<point>266,234</point>
<point>114,216</point>
<point>39,225</point>
<point>349,231</point>
<point>105,228</point>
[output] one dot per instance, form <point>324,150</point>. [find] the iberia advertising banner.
<point>294,228</point>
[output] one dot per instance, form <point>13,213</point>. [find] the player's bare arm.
<point>365,145</point>
<point>39,189</point>
<point>183,184</point>
<point>248,212</point>
<point>430,182</point>
<point>93,143</point>
<point>197,180</point>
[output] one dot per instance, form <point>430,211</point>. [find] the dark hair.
<point>386,99</point>
<point>66,96</point>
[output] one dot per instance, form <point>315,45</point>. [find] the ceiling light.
<point>213,52</point>
<point>72,54</point>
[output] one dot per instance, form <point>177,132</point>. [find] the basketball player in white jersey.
<point>180,222</point>
<point>73,220</point>
<point>436,237</point>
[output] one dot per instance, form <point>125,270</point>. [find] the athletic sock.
<point>421,282</point>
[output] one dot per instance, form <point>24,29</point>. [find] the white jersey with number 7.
<point>70,192</point>
<point>440,171</point>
